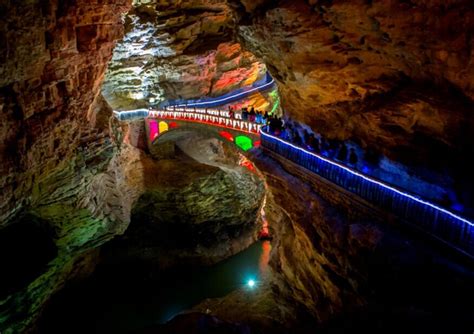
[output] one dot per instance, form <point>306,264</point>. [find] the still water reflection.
<point>121,303</point>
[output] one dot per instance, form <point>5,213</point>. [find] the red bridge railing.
<point>212,117</point>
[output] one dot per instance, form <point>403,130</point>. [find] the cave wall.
<point>198,206</point>
<point>179,50</point>
<point>55,146</point>
<point>390,73</point>
<point>54,56</point>
<point>394,75</point>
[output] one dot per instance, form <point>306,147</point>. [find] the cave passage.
<point>262,166</point>
<point>283,140</point>
<point>25,250</point>
<point>119,300</point>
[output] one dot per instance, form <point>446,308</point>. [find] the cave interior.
<point>236,166</point>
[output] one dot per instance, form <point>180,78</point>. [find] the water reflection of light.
<point>265,257</point>
<point>264,232</point>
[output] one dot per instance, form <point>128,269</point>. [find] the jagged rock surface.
<point>353,69</point>
<point>373,71</point>
<point>53,57</point>
<point>183,50</point>
<point>191,212</point>
<point>395,76</point>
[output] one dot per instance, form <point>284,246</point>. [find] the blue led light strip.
<point>355,173</point>
<point>232,97</point>
<point>142,113</point>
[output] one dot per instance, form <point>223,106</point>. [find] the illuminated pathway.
<point>211,117</point>
<point>453,230</point>
<point>440,223</point>
<point>211,102</point>
<point>158,122</point>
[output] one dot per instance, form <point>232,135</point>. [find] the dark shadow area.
<point>26,247</point>
<point>127,297</point>
<point>412,288</point>
<point>212,42</point>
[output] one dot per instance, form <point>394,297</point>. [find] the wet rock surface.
<point>191,212</point>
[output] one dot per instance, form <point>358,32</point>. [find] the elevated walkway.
<point>262,85</point>
<point>365,193</point>
<point>361,190</point>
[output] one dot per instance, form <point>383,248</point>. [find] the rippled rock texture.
<point>396,75</point>
<point>55,148</point>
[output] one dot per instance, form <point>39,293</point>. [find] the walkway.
<point>212,117</point>
<point>212,102</point>
<point>442,224</point>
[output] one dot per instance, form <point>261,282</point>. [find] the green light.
<point>244,142</point>
<point>276,98</point>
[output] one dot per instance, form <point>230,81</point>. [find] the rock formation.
<point>332,272</point>
<point>178,51</point>
<point>53,172</point>
<point>381,73</point>
<point>190,211</point>
<point>394,75</point>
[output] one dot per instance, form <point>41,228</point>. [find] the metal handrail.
<point>443,224</point>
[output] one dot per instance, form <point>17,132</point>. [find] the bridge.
<point>244,134</point>
<point>449,228</point>
<point>167,124</point>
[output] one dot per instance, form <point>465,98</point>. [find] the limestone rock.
<point>182,50</point>
<point>373,71</point>
<point>190,211</point>
<point>53,56</point>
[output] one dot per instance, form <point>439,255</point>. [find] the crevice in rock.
<point>26,247</point>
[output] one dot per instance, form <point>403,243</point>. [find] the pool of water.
<point>117,301</point>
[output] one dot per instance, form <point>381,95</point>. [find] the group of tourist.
<point>333,149</point>
<point>250,115</point>
<point>296,134</point>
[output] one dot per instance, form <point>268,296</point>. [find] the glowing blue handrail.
<point>131,114</point>
<point>372,190</point>
<point>212,102</point>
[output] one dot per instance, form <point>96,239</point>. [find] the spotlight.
<point>251,283</point>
